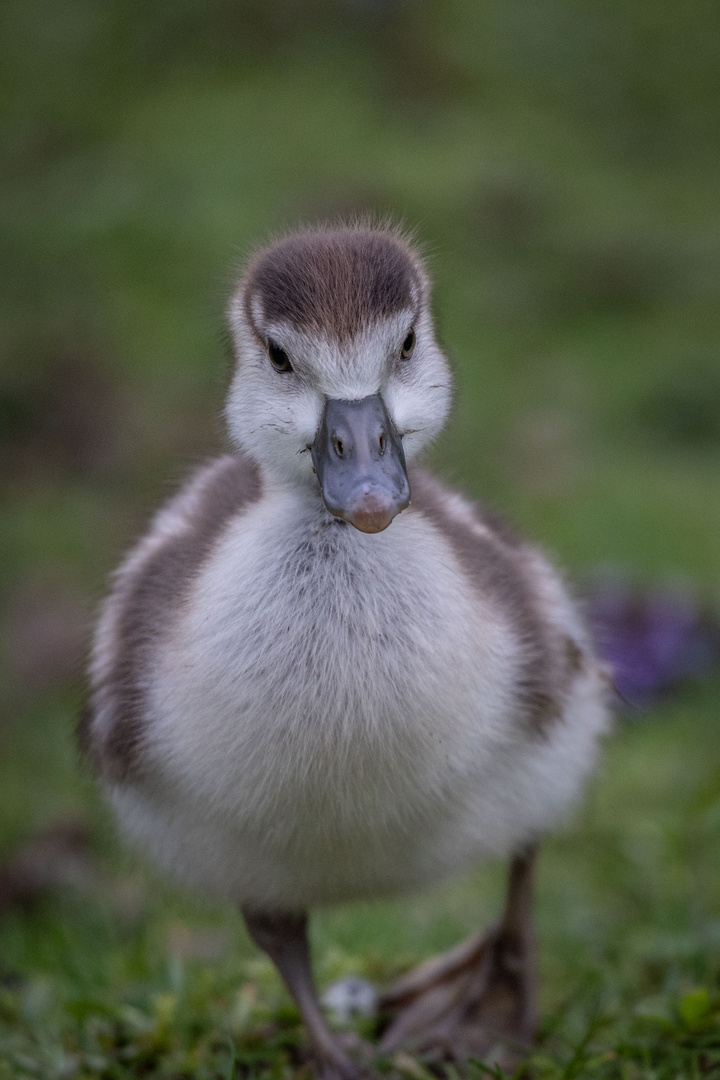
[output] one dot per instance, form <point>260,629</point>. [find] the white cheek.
<point>274,425</point>
<point>419,410</point>
<point>307,409</point>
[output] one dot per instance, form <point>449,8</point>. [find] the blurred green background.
<point>560,162</point>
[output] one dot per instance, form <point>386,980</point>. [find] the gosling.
<point>323,676</point>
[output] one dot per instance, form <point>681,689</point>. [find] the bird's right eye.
<point>278,357</point>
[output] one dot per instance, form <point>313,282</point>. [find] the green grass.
<point>559,161</point>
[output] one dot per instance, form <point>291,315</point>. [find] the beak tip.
<point>372,513</point>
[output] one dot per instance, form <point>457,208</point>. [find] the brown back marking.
<point>153,595</point>
<point>495,567</point>
<point>335,281</point>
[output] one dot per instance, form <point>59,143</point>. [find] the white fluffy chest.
<point>319,677</point>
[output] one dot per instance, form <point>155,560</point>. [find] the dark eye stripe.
<point>278,357</point>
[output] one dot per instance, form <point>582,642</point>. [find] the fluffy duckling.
<point>323,676</point>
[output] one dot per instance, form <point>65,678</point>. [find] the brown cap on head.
<point>336,281</point>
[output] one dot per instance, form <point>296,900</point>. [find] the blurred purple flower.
<point>652,639</point>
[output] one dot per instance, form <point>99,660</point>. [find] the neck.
<point>305,489</point>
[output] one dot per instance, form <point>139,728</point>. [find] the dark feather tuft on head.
<point>336,280</point>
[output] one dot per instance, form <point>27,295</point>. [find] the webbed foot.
<point>478,1000</point>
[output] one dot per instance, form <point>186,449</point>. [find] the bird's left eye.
<point>278,357</point>
<point>408,345</point>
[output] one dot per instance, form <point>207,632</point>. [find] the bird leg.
<point>478,1000</point>
<point>284,938</point>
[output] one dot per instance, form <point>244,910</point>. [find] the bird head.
<point>338,379</point>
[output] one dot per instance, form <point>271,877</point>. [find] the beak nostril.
<point>338,446</point>
<point>383,442</point>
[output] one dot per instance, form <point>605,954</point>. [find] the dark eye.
<point>408,345</point>
<point>278,357</point>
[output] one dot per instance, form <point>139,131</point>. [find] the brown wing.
<point>149,589</point>
<point>502,568</point>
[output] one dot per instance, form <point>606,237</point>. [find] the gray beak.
<point>359,461</point>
